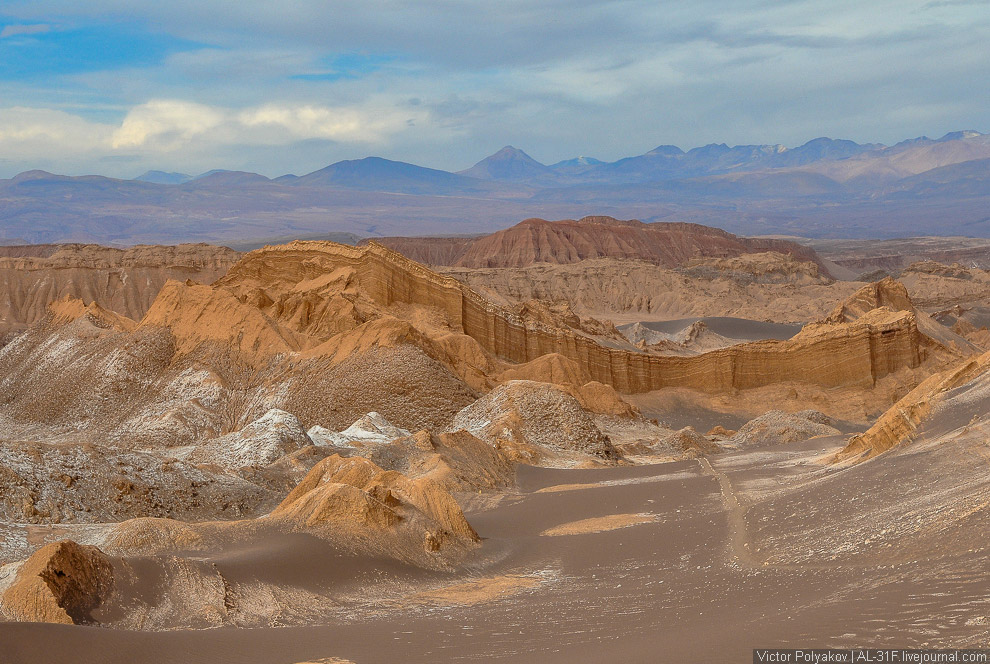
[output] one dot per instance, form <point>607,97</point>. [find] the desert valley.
<point>528,332</point>
<point>587,440</point>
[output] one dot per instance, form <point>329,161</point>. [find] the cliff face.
<point>570,241</point>
<point>125,281</point>
<point>892,294</point>
<point>289,283</point>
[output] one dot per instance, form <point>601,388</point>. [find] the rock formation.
<point>261,443</point>
<point>569,241</point>
<point>775,427</point>
<point>296,274</point>
<point>371,429</point>
<point>764,286</point>
<point>62,582</point>
<point>86,483</point>
<point>534,415</point>
<point>891,294</point>
<point>691,443</point>
<point>455,460</point>
<point>902,420</point>
<point>125,281</point>
<point>354,494</point>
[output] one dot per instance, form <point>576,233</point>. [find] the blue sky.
<point>118,87</point>
<point>38,52</point>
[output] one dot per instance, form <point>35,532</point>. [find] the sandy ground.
<point>742,329</point>
<point>758,548</point>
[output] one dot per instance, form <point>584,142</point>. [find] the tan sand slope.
<point>356,509</point>
<point>768,544</point>
<point>901,422</point>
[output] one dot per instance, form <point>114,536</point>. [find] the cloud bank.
<point>113,86</point>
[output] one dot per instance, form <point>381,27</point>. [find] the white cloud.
<point>165,125</point>
<point>169,125</point>
<point>14,30</point>
<point>42,131</point>
<point>339,124</point>
<point>170,131</point>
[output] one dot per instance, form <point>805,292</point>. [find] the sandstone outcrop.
<point>940,285</point>
<point>196,314</point>
<point>891,294</point>
<point>63,582</point>
<point>766,286</point>
<point>887,292</point>
<point>455,460</point>
<point>902,420</point>
<point>70,309</point>
<point>763,268</point>
<point>354,494</point>
<point>124,281</point>
<point>829,354</point>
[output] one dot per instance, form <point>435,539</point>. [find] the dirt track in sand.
<point>690,586</point>
<point>739,540</point>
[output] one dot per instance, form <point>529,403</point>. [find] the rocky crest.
<point>290,288</point>
<point>569,241</point>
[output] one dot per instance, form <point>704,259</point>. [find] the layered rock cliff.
<point>290,284</point>
<point>125,281</point>
<point>892,294</point>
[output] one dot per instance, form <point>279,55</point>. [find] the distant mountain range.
<point>824,188</point>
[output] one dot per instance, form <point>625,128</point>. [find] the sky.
<point>118,87</point>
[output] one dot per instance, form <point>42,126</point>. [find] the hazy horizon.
<point>273,175</point>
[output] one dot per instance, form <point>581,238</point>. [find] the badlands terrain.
<point>578,440</point>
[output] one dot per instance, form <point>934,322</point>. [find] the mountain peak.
<point>510,150</point>
<point>666,151</point>
<point>163,177</point>
<point>577,162</point>
<point>509,163</point>
<point>35,174</point>
<point>960,135</point>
